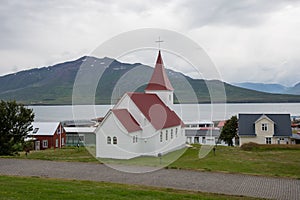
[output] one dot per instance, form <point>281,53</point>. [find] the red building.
<point>48,135</point>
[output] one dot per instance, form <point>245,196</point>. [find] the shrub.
<point>249,146</point>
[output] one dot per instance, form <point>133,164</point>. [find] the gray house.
<point>264,128</point>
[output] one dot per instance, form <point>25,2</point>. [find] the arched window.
<point>176,132</point>
<point>108,140</point>
<point>171,134</point>
<point>166,134</point>
<point>115,140</point>
<point>161,136</point>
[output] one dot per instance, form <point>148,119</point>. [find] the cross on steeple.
<point>159,41</point>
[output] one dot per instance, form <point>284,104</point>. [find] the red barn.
<point>48,135</point>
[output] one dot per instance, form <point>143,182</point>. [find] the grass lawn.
<point>265,160</point>
<point>72,154</point>
<point>44,188</point>
<point>283,161</point>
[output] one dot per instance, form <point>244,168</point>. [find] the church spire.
<point>159,79</point>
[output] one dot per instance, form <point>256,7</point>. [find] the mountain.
<point>262,87</point>
<point>270,88</point>
<point>295,89</point>
<point>54,84</point>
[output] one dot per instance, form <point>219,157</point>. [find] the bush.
<point>250,146</point>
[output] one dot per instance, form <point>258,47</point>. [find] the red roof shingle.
<point>126,120</point>
<point>154,109</point>
<point>159,79</point>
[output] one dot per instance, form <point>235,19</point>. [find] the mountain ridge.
<point>53,85</point>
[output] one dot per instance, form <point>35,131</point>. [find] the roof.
<point>127,120</point>
<point>282,124</point>
<point>80,129</point>
<point>221,123</point>
<point>155,110</point>
<point>44,128</point>
<point>159,79</point>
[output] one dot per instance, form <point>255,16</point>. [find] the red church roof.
<point>159,79</point>
<point>126,120</point>
<point>154,109</point>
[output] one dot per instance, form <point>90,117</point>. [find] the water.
<point>188,112</point>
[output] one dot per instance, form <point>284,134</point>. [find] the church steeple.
<point>159,83</point>
<point>159,79</point>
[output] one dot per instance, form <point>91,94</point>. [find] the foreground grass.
<point>42,188</point>
<point>265,160</point>
<point>270,160</point>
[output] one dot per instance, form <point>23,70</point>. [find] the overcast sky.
<point>248,40</point>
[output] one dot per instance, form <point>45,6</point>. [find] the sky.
<point>247,40</point>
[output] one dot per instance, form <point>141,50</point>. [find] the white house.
<point>142,124</point>
<point>265,128</point>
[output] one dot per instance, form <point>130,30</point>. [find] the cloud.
<point>241,37</point>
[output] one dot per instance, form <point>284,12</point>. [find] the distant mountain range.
<point>270,88</point>
<point>54,84</point>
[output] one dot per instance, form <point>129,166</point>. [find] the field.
<point>42,188</point>
<point>270,160</point>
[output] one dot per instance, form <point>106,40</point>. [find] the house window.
<point>35,130</point>
<point>108,140</point>
<point>115,140</point>
<point>268,140</point>
<point>166,134</point>
<point>203,140</point>
<point>62,141</point>
<point>264,127</point>
<point>161,136</point>
<point>171,134</point>
<point>56,143</point>
<point>45,143</point>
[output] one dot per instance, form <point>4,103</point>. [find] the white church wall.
<point>124,148</point>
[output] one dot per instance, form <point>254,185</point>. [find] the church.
<point>142,124</point>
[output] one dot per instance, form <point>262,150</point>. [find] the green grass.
<point>70,154</point>
<point>266,160</point>
<point>44,188</point>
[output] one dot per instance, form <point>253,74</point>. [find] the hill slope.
<point>54,84</point>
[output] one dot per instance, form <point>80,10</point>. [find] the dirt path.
<point>233,184</point>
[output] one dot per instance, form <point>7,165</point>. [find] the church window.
<point>166,134</point>
<point>171,134</point>
<point>115,140</point>
<point>176,132</point>
<point>108,140</point>
<point>161,136</point>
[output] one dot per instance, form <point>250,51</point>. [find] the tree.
<point>15,123</point>
<point>229,130</point>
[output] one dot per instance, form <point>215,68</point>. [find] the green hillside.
<point>54,84</point>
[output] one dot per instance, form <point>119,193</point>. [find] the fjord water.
<point>188,112</point>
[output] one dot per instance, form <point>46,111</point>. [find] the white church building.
<point>142,124</point>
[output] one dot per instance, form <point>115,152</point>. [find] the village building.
<point>82,136</point>
<point>142,124</point>
<point>47,135</point>
<point>264,128</point>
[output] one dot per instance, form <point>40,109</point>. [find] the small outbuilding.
<point>47,135</point>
